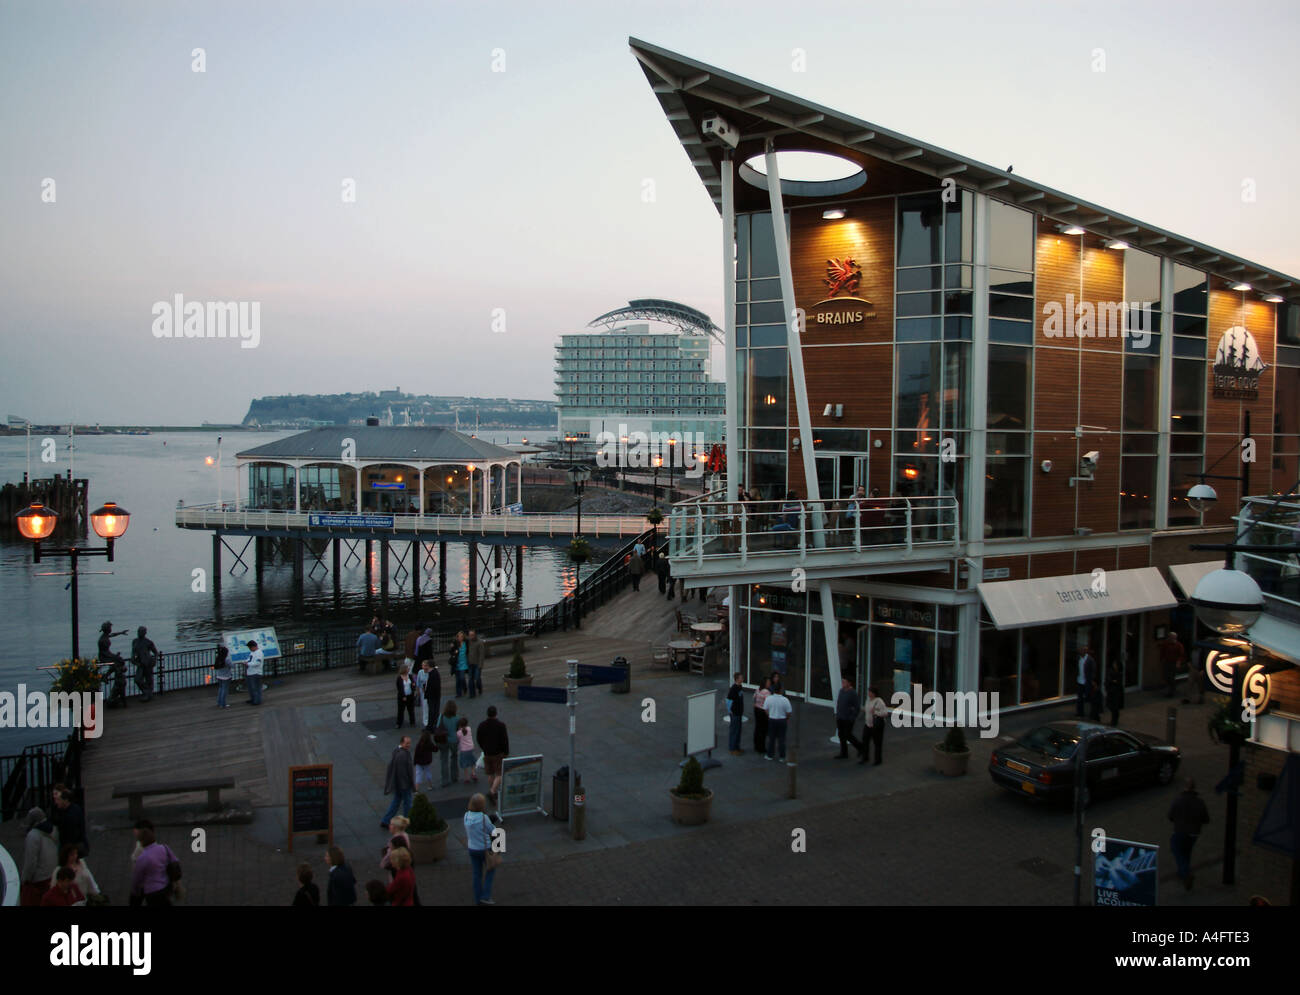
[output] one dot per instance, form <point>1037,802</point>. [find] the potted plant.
<point>691,799</point>
<point>427,831</point>
<point>76,676</point>
<point>517,675</point>
<point>1226,725</point>
<point>952,755</point>
<point>579,550</point>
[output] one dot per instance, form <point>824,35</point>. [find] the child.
<point>466,750</point>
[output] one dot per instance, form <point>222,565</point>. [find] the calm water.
<point>151,576</point>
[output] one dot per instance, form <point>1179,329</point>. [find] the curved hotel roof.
<point>689,91</point>
<point>432,444</point>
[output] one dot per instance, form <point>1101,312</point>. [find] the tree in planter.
<point>691,800</point>
<point>955,741</point>
<point>424,817</point>
<point>518,669</point>
<point>952,755</point>
<point>691,784</point>
<point>579,550</point>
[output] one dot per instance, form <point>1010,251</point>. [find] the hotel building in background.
<point>957,338</point>
<point>629,377</point>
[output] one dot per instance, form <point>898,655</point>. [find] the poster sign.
<point>701,722</point>
<point>336,521</point>
<point>521,786</point>
<point>236,642</point>
<point>1124,873</point>
<point>311,801</point>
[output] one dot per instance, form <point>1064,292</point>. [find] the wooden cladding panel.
<point>1132,557</point>
<point>866,235</point>
<point>1051,564</point>
<point>1056,383</point>
<point>1053,500</point>
<point>1224,415</point>
<point>860,377</point>
<point>1103,284</point>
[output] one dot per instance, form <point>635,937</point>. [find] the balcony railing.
<point>709,529</point>
<point>1266,521</point>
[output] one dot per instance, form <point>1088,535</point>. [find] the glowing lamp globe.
<point>110,521</point>
<point>1201,497</point>
<point>1228,601</point>
<point>36,522</point>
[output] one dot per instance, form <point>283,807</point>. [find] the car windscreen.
<point>1051,741</point>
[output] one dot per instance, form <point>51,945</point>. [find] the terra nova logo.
<point>842,305</point>
<point>1237,365</point>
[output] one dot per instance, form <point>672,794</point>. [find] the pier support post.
<point>498,575</point>
<point>370,571</point>
<point>297,575</point>
<point>216,563</point>
<point>416,548</point>
<point>473,581</point>
<point>383,575</point>
<point>337,594</point>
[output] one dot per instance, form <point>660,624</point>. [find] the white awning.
<point>1014,604</point>
<point>1188,575</point>
<point>1278,636</point>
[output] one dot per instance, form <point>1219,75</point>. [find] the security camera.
<point>1092,458</point>
<point>719,132</point>
<point>1046,466</point>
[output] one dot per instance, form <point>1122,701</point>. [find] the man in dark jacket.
<point>663,572</point>
<point>144,654</point>
<point>399,781</point>
<point>847,709</point>
<point>432,692</point>
<point>342,886</point>
<point>495,742</point>
<point>70,821</point>
<point>1188,814</point>
<point>476,654</point>
<point>735,713</point>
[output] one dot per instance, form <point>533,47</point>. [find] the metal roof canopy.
<point>382,442</point>
<point>685,319</point>
<point>759,112</point>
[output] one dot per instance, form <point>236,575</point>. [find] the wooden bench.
<point>515,641</point>
<point>134,793</point>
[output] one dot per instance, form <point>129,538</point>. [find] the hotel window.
<point>1007,480</point>
<point>1286,404</point>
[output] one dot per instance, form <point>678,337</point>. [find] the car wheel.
<point>1165,773</point>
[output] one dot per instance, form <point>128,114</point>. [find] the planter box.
<point>426,848</point>
<point>691,811</point>
<point>951,764</point>
<point>513,683</point>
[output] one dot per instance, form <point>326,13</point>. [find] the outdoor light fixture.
<point>1115,243</point>
<point>109,521</point>
<point>1241,286</point>
<point>1071,230</point>
<point>1228,601</point>
<point>1201,496</point>
<point>36,522</point>
<point>1273,299</point>
<point>833,214</point>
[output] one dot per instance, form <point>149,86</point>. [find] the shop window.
<point>1006,497</point>
<point>999,664</point>
<point>1137,487</point>
<point>1140,392</point>
<point>1040,663</point>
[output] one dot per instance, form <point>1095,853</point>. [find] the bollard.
<point>580,816</point>
<point>1171,724</point>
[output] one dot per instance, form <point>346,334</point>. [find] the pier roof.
<point>437,445</point>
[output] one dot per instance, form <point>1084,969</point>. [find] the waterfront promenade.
<point>895,834</point>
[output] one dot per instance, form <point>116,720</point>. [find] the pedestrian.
<point>377,892</point>
<point>494,739</point>
<point>444,738</point>
<point>735,714</point>
<point>465,750</point>
<point>341,889</point>
<point>397,840</point>
<point>478,840</point>
<point>368,646</point>
<point>662,572</point>
<point>424,645</point>
<point>106,655</point>
<point>401,890</point>
<point>405,695</point>
<point>253,673</point>
<point>64,891</point>
<point>421,675</point>
<point>1085,680</point>
<point>847,710</point>
<point>432,693</point>
<point>760,715</point>
<point>1114,691</point>
<point>877,718</point>
<point>70,858</point>
<point>144,654</point>
<point>308,895</point>
<point>156,869</point>
<point>460,657</point>
<point>40,856</point>
<point>399,781</point>
<point>69,820</point>
<point>1172,656</point>
<point>222,674</point>
<point>636,568</point>
<point>778,719</point>
<point>476,653</point>
<point>1188,814</point>
<point>423,759</point>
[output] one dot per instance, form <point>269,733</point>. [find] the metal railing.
<point>522,526</point>
<point>27,777</point>
<point>1268,521</point>
<point>710,528</point>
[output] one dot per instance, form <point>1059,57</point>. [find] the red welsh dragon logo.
<point>842,277</point>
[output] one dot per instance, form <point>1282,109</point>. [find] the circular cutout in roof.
<point>806,174</point>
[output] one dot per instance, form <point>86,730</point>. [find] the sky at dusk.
<point>517,194</point>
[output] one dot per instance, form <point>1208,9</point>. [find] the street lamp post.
<point>579,475</point>
<point>672,451</point>
<point>659,461</point>
<point>36,523</point>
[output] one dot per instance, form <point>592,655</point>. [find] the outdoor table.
<point>681,649</point>
<point>709,630</point>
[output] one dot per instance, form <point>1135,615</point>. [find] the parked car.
<point>1042,763</point>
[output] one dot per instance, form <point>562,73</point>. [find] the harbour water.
<point>151,581</point>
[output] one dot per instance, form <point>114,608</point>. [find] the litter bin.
<point>625,685</point>
<point>560,793</point>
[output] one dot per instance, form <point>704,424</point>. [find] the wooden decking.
<point>182,733</point>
